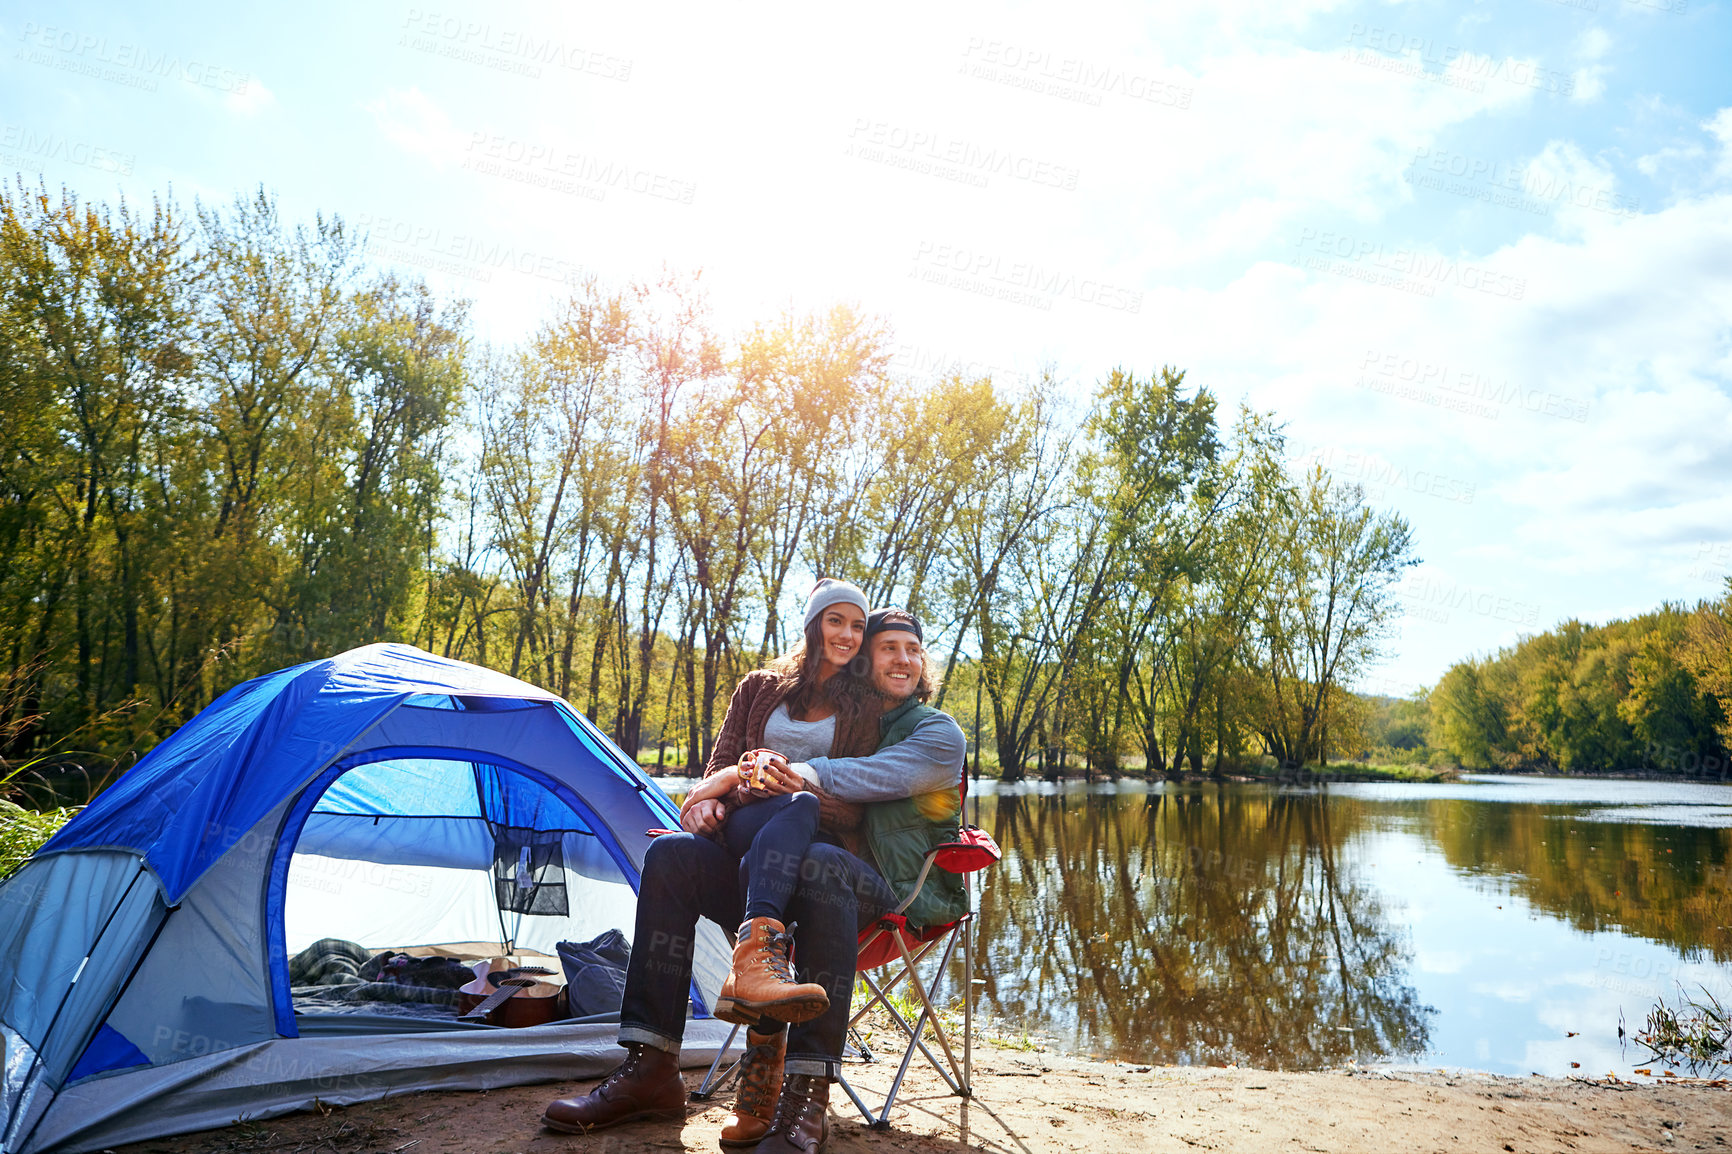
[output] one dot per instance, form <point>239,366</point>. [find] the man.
<point>919,763</point>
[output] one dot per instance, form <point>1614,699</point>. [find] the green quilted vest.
<point>901,832</point>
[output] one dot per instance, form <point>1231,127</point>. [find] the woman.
<point>792,704</point>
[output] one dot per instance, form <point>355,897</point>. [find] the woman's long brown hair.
<point>857,705</point>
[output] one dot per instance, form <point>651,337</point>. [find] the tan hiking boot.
<point>760,984</point>
<point>646,1085</point>
<point>760,1086</point>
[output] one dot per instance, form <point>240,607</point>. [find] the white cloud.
<point>1621,319</point>
<point>1578,188</point>
<point>1628,315</point>
<point>1441,961</point>
<point>1691,142</point>
<point>1593,417</point>
<point>1275,137</point>
<point>414,122</point>
<point>1589,81</point>
<point>1651,163</point>
<point>251,99</point>
<point>1720,126</point>
<point>1593,44</point>
<point>1507,990</point>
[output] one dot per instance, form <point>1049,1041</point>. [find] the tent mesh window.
<point>529,871</point>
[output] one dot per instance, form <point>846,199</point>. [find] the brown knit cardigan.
<point>755,698</point>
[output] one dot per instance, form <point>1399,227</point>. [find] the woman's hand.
<point>704,816</point>
<point>778,777</point>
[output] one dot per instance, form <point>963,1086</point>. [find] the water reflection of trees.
<point>1666,883</point>
<point>1205,926</point>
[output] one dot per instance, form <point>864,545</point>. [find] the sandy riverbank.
<point>1029,1102</point>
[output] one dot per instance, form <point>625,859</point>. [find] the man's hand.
<point>704,817</point>
<point>836,815</point>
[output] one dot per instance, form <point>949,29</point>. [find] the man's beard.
<point>891,699</point>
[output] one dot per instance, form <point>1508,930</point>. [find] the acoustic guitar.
<point>505,993</point>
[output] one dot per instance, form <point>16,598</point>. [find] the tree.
<point>818,382</point>
<point>1666,706</point>
<point>674,348</point>
<point>1324,619</point>
<point>95,304</point>
<point>1201,619</point>
<point>226,445</point>
<point>554,419</point>
<point>366,485</point>
<point>271,300</point>
<point>1707,654</point>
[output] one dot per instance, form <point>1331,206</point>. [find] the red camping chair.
<point>890,941</point>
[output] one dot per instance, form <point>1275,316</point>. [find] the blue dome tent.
<point>384,796</point>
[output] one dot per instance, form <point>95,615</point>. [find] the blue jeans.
<point>686,877</point>
<point>770,837</point>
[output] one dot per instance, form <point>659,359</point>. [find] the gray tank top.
<point>798,740</point>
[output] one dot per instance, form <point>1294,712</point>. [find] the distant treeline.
<point>228,444</point>
<point>1650,693</point>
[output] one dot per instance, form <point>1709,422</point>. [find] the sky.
<point>1475,257</point>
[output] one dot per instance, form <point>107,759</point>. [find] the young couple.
<point>859,779</point>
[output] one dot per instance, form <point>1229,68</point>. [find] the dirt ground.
<point>1027,1102</point>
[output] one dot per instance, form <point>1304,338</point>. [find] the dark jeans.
<point>770,837</point>
<point>686,877</point>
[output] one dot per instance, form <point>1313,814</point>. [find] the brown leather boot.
<point>646,1085</point>
<point>760,1087</point>
<point>802,1122</point>
<point>760,985</point>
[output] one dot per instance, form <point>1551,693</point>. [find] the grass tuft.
<point>23,831</point>
<point>1695,1033</point>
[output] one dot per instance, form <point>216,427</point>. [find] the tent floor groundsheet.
<point>289,1074</point>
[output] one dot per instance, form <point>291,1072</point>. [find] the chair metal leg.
<point>853,1041</point>
<point>915,1042</point>
<point>968,1007</point>
<point>711,1082</point>
<point>881,993</point>
<point>876,998</point>
<point>858,1104</point>
<point>895,1015</point>
<point>920,989</point>
<point>958,1076</point>
<point>901,1073</point>
<point>913,1033</point>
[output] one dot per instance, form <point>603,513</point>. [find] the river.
<point>1509,924</point>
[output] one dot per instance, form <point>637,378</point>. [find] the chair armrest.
<point>973,850</point>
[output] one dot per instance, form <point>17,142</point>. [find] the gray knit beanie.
<point>830,591</point>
